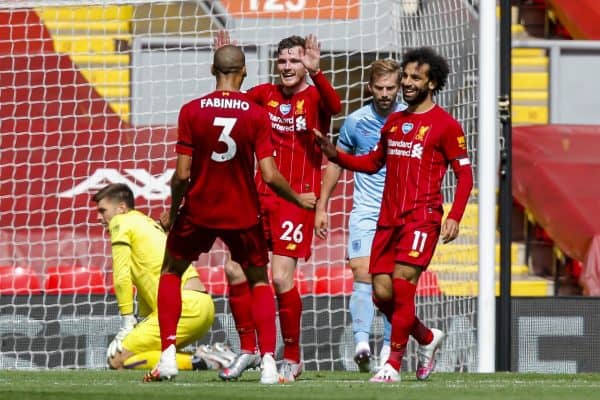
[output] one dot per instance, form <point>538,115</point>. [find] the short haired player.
<point>295,107</point>
<point>214,196</point>
<point>137,245</point>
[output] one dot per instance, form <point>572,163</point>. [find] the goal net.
<point>90,92</point>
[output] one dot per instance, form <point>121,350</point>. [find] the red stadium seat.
<point>213,279</point>
<point>338,280</point>
<point>304,283</point>
<point>333,280</point>
<point>19,280</point>
<point>428,284</point>
<point>68,279</point>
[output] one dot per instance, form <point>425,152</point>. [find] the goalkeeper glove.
<point>128,322</point>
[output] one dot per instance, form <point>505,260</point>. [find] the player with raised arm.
<point>138,244</point>
<point>219,137</point>
<point>295,107</point>
<point>358,135</point>
<point>416,146</point>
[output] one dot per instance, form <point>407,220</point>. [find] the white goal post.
<point>90,92</point>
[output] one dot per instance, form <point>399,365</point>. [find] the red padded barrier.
<point>333,280</point>
<point>19,280</point>
<point>68,279</point>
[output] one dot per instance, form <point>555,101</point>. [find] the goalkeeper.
<point>138,246</point>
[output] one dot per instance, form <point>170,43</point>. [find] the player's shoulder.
<point>362,112</point>
<point>441,112</point>
<point>191,104</point>
<point>397,115</point>
<point>132,217</point>
<point>445,119</point>
<point>265,94</point>
<point>262,89</point>
<point>121,223</point>
<point>354,118</point>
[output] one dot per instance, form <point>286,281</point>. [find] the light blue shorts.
<point>361,232</point>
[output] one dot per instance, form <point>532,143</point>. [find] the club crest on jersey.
<point>422,132</point>
<point>299,107</point>
<point>285,108</point>
<point>461,142</point>
<point>407,127</point>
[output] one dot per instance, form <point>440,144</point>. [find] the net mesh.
<point>90,96</point>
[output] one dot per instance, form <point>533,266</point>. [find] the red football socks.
<point>386,307</point>
<point>240,301</point>
<point>421,333</point>
<point>263,312</point>
<point>402,319</point>
<point>169,308</point>
<point>290,312</point>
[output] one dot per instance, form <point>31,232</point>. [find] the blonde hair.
<point>384,67</point>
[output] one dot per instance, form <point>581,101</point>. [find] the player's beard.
<point>418,98</point>
<point>383,107</point>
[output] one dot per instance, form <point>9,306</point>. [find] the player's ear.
<point>432,85</point>
<point>244,72</point>
<point>213,70</point>
<point>122,207</point>
<point>369,89</point>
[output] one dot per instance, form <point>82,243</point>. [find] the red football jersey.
<point>417,149</point>
<point>222,132</point>
<point>292,119</point>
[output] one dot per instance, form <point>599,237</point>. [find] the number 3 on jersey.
<point>225,137</point>
<point>291,233</point>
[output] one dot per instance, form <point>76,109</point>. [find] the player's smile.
<point>290,67</point>
<point>415,83</point>
<point>288,76</point>
<point>409,92</point>
<point>414,91</point>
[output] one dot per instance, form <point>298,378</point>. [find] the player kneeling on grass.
<point>138,245</point>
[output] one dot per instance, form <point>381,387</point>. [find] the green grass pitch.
<point>127,385</point>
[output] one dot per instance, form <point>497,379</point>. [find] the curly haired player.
<point>416,146</point>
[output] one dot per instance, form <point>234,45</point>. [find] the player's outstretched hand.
<point>325,144</point>
<point>307,200</point>
<point>449,230</point>
<point>311,56</point>
<point>221,39</point>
